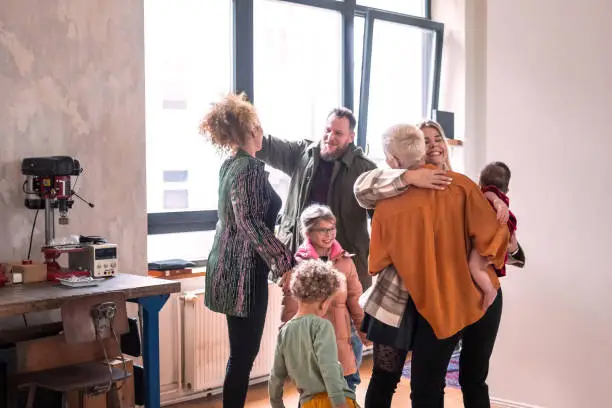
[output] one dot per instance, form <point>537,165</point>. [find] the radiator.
<point>206,343</point>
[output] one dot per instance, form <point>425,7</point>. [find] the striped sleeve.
<point>249,198</point>
<point>378,184</point>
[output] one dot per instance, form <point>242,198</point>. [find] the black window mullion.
<point>437,68</point>
<point>364,94</point>
<point>183,221</point>
<point>427,78</point>
<point>348,54</point>
<point>401,18</point>
<point>243,64</point>
<point>325,4</point>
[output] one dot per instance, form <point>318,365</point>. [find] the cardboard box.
<point>7,268</point>
<point>89,400</point>
<point>32,273</point>
<point>126,387</point>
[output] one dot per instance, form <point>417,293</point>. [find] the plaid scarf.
<point>386,300</point>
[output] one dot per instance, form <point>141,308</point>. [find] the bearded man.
<point>324,172</point>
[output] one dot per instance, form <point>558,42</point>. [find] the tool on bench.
<point>48,187</point>
<point>100,259</point>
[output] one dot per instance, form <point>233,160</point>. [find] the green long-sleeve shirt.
<point>306,352</point>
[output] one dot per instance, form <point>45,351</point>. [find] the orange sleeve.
<point>379,256</point>
<point>489,237</point>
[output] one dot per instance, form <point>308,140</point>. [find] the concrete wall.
<point>72,83</point>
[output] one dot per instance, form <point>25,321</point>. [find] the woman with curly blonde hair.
<point>245,252</point>
<point>306,350</point>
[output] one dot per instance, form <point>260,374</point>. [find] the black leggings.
<point>386,374</point>
<point>244,337</point>
<point>430,360</point>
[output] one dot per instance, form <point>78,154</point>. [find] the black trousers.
<point>244,337</point>
<point>431,356</point>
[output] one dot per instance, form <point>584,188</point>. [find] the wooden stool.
<point>80,377</point>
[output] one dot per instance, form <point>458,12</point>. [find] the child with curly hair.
<point>318,227</point>
<point>306,350</point>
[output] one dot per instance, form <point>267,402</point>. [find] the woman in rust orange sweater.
<point>426,235</point>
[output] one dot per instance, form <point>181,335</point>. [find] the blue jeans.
<point>353,380</point>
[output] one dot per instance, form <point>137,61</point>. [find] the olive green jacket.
<point>299,160</point>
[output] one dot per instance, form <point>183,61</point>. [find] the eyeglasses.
<point>326,231</point>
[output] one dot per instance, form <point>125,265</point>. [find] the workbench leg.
<point>150,347</point>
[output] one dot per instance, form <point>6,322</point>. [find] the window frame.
<point>243,80</point>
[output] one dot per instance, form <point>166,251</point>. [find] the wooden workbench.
<point>150,293</point>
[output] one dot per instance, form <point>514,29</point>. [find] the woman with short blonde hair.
<point>404,146</point>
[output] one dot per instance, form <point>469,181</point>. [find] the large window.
<point>296,60</point>
<point>396,89</point>
<point>188,64</point>
<point>297,71</point>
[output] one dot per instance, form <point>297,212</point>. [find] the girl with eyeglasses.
<point>318,226</point>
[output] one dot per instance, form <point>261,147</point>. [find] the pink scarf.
<point>308,251</point>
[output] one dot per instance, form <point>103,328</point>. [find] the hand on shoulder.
<point>427,178</point>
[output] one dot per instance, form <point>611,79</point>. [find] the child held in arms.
<point>494,183</point>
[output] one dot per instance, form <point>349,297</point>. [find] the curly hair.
<point>314,280</point>
<point>229,122</point>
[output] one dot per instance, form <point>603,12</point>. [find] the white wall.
<point>548,111</point>
<point>463,85</point>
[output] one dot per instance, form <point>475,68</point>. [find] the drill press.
<point>48,187</point>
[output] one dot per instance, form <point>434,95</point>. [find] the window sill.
<point>183,276</point>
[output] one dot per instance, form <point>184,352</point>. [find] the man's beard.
<point>334,155</point>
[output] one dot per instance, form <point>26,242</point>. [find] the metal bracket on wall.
<point>103,315</point>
